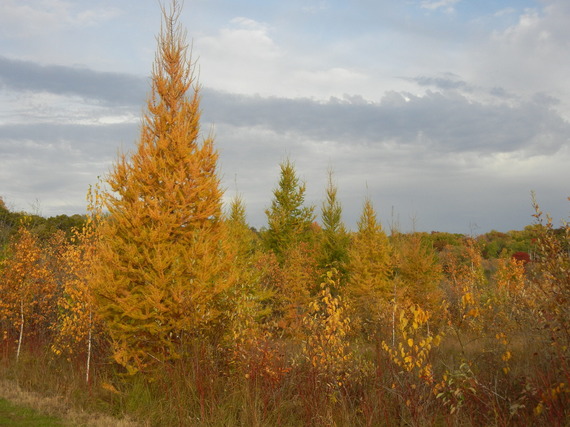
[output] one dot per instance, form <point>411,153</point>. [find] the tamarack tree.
<point>417,271</point>
<point>370,286</point>
<point>162,267</point>
<point>289,222</point>
<point>290,238</point>
<point>335,238</point>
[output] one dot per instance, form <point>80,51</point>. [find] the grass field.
<point>19,416</point>
<point>19,407</point>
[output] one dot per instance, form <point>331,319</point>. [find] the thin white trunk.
<point>394,318</point>
<point>394,326</point>
<point>88,349</point>
<point>21,329</point>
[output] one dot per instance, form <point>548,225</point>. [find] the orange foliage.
<point>162,263</point>
<point>27,291</point>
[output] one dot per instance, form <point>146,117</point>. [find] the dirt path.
<point>54,407</point>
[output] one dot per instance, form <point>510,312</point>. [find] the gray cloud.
<point>445,82</point>
<point>112,88</point>
<point>88,141</point>
<point>418,154</point>
<point>443,121</point>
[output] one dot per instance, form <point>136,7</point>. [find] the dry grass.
<point>55,406</point>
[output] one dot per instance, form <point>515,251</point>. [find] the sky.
<point>445,113</point>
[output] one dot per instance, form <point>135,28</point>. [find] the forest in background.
<point>166,306</point>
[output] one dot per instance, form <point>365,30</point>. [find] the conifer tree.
<point>334,237</point>
<point>239,232</point>
<point>248,297</point>
<point>369,285</point>
<point>417,270</point>
<point>289,222</point>
<point>162,264</point>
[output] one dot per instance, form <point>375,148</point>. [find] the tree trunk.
<point>21,330</point>
<point>89,339</point>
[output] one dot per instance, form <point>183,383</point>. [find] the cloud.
<point>63,129</point>
<point>315,6</point>
<point>91,142</point>
<point>444,190</point>
<point>247,56</point>
<point>23,19</point>
<point>447,5</point>
<point>416,154</point>
<point>239,57</point>
<point>505,11</point>
<point>446,81</point>
<point>527,57</point>
<point>111,88</point>
<point>444,122</point>
<point>457,141</point>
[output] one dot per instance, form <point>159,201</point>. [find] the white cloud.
<point>246,57</point>
<point>447,5</point>
<point>527,58</point>
<point>239,58</point>
<point>329,80</point>
<point>315,6</point>
<point>250,24</point>
<point>504,12</point>
<point>29,19</point>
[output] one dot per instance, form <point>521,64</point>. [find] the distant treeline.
<point>40,226</point>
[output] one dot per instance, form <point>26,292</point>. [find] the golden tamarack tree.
<point>417,271</point>
<point>289,222</point>
<point>162,265</point>
<point>334,239</point>
<point>290,238</point>
<point>370,268</point>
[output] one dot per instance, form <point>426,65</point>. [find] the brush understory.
<point>33,393</point>
<point>203,391</point>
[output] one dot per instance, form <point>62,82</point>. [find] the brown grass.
<point>55,406</point>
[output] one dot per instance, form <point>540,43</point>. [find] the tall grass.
<point>469,388</point>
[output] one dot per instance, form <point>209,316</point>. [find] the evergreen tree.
<point>162,263</point>
<point>244,238</point>
<point>248,294</point>
<point>334,238</point>
<point>289,222</point>
<point>417,270</point>
<point>369,286</point>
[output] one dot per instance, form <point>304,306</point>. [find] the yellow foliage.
<point>412,329</point>
<point>28,288</point>
<point>163,262</point>
<point>417,271</point>
<point>369,288</point>
<point>77,323</point>
<point>326,346</point>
